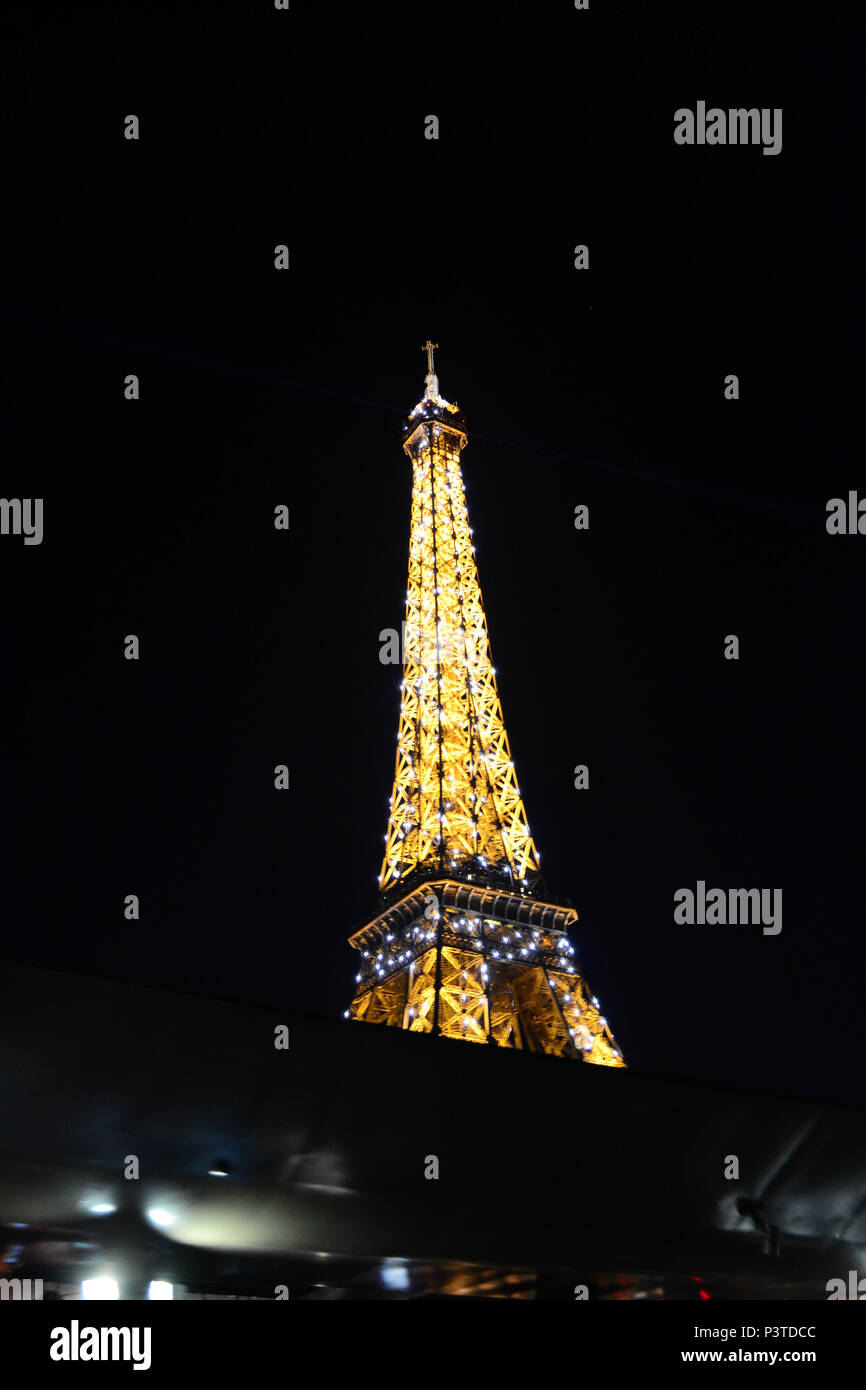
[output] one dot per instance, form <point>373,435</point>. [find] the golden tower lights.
<point>464,947</point>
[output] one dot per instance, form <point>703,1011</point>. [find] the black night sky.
<point>605,387</point>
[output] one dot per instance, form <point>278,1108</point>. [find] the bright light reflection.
<point>160,1217</point>
<point>102,1289</point>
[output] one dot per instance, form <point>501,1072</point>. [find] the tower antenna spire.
<point>432,379</point>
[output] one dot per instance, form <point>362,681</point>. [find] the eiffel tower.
<point>467,944</point>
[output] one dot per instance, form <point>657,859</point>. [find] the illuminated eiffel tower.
<point>466,945</point>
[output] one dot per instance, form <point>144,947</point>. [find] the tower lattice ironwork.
<point>467,944</point>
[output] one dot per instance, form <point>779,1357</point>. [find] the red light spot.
<point>702,1293</point>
